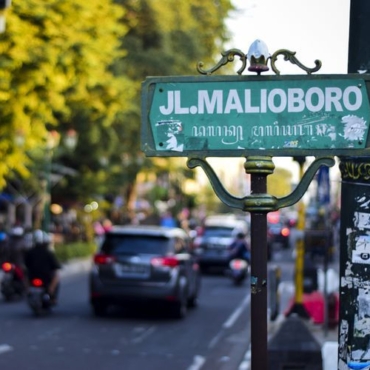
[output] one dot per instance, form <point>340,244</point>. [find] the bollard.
<point>294,347</point>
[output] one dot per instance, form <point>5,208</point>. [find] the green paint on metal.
<point>235,116</point>
<point>260,202</point>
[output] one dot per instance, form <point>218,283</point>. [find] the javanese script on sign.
<point>234,115</point>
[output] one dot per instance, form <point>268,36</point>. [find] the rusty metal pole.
<point>259,168</point>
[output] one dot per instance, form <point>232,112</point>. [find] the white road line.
<point>236,314</point>
<point>215,339</point>
<point>197,363</point>
<point>246,363</point>
<point>144,335</point>
<point>5,348</point>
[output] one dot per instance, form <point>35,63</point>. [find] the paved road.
<point>213,336</point>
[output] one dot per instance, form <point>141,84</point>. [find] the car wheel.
<point>193,301</point>
<point>99,309</point>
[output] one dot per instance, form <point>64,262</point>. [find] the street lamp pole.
<point>52,141</point>
<point>47,195</point>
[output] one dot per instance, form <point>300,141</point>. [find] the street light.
<point>51,142</point>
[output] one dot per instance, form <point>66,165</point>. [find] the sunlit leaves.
<point>55,57</point>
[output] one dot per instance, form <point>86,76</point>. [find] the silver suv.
<point>144,264</point>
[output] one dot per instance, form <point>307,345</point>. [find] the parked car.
<point>144,264</point>
<point>217,235</point>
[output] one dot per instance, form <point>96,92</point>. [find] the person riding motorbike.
<point>16,245</point>
<point>42,263</point>
<point>239,248</point>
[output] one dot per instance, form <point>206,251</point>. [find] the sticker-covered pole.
<point>354,315</point>
<point>354,309</point>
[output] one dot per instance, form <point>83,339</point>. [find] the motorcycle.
<point>38,298</point>
<point>238,270</point>
<point>13,281</point>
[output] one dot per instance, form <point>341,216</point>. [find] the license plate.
<point>35,290</point>
<point>215,246</point>
<point>131,269</point>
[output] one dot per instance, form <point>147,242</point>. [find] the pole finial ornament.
<point>258,58</point>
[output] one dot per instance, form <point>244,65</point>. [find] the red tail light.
<point>104,259</point>
<point>285,231</point>
<point>164,262</point>
<point>7,266</point>
<point>238,264</point>
<point>37,282</point>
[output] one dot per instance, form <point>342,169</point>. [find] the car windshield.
<point>128,244</point>
<point>218,231</point>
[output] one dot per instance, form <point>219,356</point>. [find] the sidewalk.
<point>75,265</point>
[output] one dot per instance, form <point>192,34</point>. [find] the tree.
<point>71,64</point>
<point>165,38</point>
<point>54,66</point>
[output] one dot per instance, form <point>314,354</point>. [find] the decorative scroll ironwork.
<point>228,56</point>
<point>290,56</point>
<point>260,202</point>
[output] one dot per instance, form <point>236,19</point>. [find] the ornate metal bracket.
<point>260,202</point>
<point>227,57</point>
<point>259,58</point>
<point>290,56</point>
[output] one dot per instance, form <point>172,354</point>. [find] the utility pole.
<point>354,322</point>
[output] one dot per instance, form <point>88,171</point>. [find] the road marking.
<point>230,321</point>
<point>5,348</point>
<point>246,363</point>
<point>144,335</point>
<point>236,314</point>
<point>197,363</point>
<point>215,339</point>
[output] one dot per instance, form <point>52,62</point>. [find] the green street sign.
<point>226,116</point>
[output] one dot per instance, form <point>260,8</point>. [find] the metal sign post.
<point>256,118</point>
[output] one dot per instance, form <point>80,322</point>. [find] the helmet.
<point>40,237</point>
<point>17,231</point>
<point>240,235</point>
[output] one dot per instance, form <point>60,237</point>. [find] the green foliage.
<point>75,64</point>
<point>54,68</point>
<point>68,251</point>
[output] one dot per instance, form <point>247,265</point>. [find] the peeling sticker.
<point>343,338</point>
<point>362,252</point>
<point>170,132</point>
<point>354,127</point>
<point>362,220</point>
<point>362,319</point>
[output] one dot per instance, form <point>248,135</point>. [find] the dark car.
<point>144,264</point>
<point>212,246</point>
<point>278,234</point>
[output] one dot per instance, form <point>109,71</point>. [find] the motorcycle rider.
<point>239,248</point>
<point>16,245</point>
<point>42,263</point>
